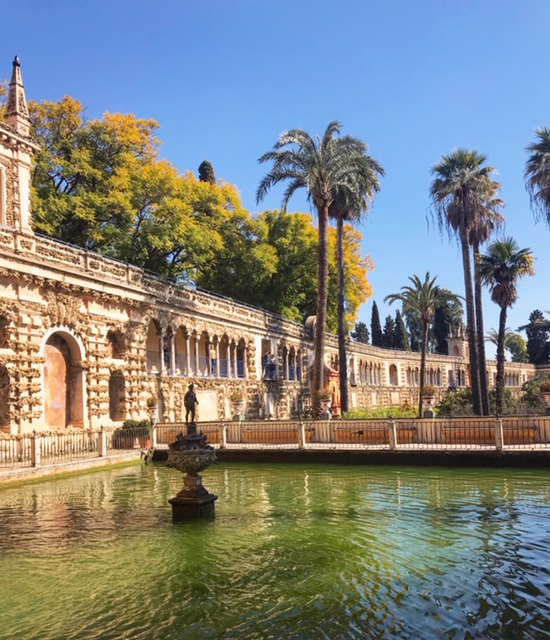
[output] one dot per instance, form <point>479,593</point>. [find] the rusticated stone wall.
<point>104,316</point>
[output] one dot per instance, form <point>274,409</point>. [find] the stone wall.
<point>114,320</point>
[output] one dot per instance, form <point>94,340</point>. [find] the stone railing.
<point>527,433</point>
<point>55,448</point>
<point>59,254</point>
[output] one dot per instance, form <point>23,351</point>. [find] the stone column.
<point>161,354</point>
<point>172,353</point>
<point>187,355</point>
<point>196,356</point>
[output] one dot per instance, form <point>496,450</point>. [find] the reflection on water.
<point>293,552</point>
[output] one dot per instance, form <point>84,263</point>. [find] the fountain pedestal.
<point>190,454</point>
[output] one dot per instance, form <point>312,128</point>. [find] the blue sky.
<point>413,79</point>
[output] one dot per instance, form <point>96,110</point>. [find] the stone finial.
<point>17,114</point>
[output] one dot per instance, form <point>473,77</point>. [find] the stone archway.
<point>63,383</point>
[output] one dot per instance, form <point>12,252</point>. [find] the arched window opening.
<point>182,356</point>
<point>153,348</point>
<point>241,359</point>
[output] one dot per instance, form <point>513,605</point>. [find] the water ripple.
<point>293,552</point>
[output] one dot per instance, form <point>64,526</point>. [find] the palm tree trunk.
<point>499,386</point>
<point>470,323</point>
<point>423,350</point>
<point>321,317</point>
<point>480,339</point>
<point>342,356</point>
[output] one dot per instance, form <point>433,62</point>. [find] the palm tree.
<point>463,196</point>
<point>492,336</point>
<point>321,166</point>
<point>537,174</point>
<point>500,269</point>
<point>421,300</point>
<point>350,202</point>
<point>480,233</point>
<point>513,342</point>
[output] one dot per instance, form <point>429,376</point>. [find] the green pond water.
<point>292,552</point>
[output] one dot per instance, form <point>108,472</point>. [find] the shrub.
<point>532,400</point>
<point>456,404</point>
<point>380,413</point>
<point>136,424</point>
<point>510,405</point>
<point>459,403</point>
<point>428,390</point>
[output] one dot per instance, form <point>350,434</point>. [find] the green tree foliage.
<point>290,289</point>
<point>537,174</point>
<point>513,342</point>
<point>459,403</point>
<point>321,166</point>
<point>351,200</point>
<point>357,288</point>
<point>77,173</point>
<point>401,340</point>
<point>100,184</point>
<point>448,319</point>
<point>538,338</point>
<point>517,346</point>
<point>375,326</point>
<point>361,333</point>
<point>500,269</point>
<point>465,204</point>
<point>388,333</point>
<point>456,404</point>
<point>414,327</point>
<point>206,172</point>
<point>419,299</point>
<point>532,400</point>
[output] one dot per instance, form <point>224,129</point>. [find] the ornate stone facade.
<point>86,341</point>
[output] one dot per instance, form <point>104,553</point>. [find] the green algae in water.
<point>292,552</point>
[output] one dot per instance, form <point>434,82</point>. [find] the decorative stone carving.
<point>65,311</point>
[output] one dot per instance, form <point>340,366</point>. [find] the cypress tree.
<point>388,336</point>
<point>375,326</point>
<point>206,172</point>
<point>401,336</point>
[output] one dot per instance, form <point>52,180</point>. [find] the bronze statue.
<point>189,401</point>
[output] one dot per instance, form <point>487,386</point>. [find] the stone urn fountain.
<point>190,454</point>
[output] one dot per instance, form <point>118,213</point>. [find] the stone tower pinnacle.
<point>17,114</point>
<point>16,152</point>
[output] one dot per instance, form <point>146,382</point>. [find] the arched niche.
<point>63,381</point>
<point>117,396</point>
